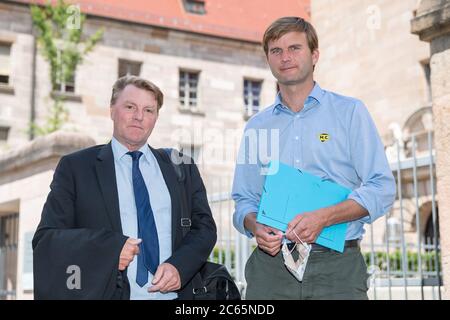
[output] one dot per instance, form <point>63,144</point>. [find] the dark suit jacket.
<point>81,226</point>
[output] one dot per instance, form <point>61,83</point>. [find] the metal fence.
<point>405,263</point>
<point>401,249</point>
<point>8,255</point>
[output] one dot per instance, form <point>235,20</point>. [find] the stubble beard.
<point>299,79</point>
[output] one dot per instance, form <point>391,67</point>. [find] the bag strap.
<point>180,172</point>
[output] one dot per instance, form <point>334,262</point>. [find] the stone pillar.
<point>432,24</point>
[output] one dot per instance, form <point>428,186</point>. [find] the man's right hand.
<point>268,238</point>
<point>129,250</point>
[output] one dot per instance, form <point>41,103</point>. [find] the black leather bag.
<point>213,281</point>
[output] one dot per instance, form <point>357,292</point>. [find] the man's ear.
<point>315,56</point>
<point>111,112</point>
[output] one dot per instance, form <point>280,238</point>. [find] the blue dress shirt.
<point>332,137</point>
<point>161,204</point>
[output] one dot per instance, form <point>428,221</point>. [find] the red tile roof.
<point>237,19</point>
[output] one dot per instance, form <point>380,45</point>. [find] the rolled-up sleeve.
<point>377,190</point>
<point>247,185</point>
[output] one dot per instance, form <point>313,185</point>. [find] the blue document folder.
<point>290,191</point>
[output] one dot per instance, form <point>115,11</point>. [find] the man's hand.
<point>307,226</point>
<point>166,279</point>
<point>129,250</point>
<point>268,239</point>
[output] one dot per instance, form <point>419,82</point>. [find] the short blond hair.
<point>284,25</point>
<point>140,83</point>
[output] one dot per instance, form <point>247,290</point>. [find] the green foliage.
<point>396,261</point>
<point>380,260</point>
<point>219,251</point>
<point>57,117</point>
<point>59,35</point>
<point>59,30</point>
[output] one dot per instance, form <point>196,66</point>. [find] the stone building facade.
<point>220,66</point>
<point>368,51</point>
<point>212,71</point>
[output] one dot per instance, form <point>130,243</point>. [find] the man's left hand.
<point>307,226</point>
<point>166,279</point>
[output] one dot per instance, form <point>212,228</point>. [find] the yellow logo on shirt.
<point>324,137</point>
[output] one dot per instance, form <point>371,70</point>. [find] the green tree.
<point>59,36</point>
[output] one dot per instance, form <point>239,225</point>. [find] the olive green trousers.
<point>329,275</point>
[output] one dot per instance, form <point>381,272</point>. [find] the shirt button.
<point>297,161</point>
<point>296,138</point>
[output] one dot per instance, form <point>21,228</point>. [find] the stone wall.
<point>367,52</point>
<point>223,64</point>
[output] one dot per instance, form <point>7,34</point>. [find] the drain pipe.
<point>33,89</point>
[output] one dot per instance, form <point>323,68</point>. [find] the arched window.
<point>418,125</point>
<point>430,230</point>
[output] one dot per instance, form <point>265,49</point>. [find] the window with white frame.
<point>129,68</point>
<point>5,57</point>
<point>252,96</point>
<point>188,89</point>
<point>63,85</point>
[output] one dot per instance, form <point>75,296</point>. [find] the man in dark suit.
<point>112,225</point>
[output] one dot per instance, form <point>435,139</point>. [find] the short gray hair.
<point>140,83</point>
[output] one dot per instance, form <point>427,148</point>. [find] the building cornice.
<point>432,20</point>
<point>46,149</point>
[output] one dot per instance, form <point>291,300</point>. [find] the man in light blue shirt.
<point>323,133</point>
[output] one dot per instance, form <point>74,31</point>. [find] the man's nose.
<point>138,114</point>
<point>285,55</point>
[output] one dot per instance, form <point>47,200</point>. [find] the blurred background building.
<point>206,57</point>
